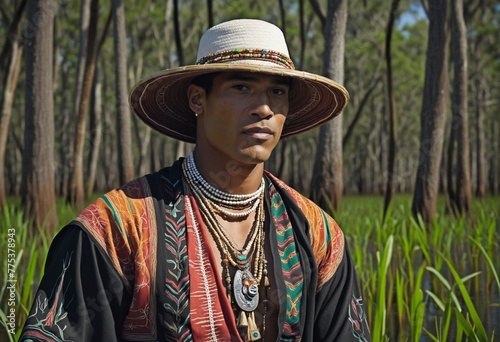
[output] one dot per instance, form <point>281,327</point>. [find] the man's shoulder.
<point>160,183</point>
<point>129,205</point>
<point>304,203</point>
<point>326,237</point>
<point>165,178</point>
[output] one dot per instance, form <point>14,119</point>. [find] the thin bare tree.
<point>76,188</point>
<point>391,160</point>
<point>125,157</point>
<point>181,145</point>
<point>433,113</point>
<point>95,133</point>
<point>14,46</point>
<point>463,191</point>
<point>326,183</point>
<point>6,114</point>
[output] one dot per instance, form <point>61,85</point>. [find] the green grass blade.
<point>436,299</point>
<point>468,302</point>
<point>488,260</point>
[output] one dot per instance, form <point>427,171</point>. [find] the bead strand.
<point>216,194</point>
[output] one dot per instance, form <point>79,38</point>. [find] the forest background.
<point>422,122</point>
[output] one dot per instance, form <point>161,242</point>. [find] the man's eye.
<point>240,87</point>
<point>277,91</point>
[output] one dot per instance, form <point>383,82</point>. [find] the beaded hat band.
<point>242,45</point>
<point>248,54</point>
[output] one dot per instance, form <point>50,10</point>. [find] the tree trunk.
<point>63,127</point>
<point>210,13</point>
<point>326,184</point>
<point>125,159</point>
<point>77,192</point>
<point>480,141</point>
<point>37,190</point>
<point>302,35</point>
<point>67,140</point>
<point>177,33</point>
<point>463,190</point>
<point>13,35</point>
<point>282,17</point>
<point>433,114</point>
<point>95,134</point>
<point>82,50</point>
<point>7,102</point>
<point>11,63</point>
<point>493,174</point>
<point>448,183</point>
<point>391,177</point>
<point>143,142</point>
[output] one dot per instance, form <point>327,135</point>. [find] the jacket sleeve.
<point>81,297</point>
<point>340,313</point>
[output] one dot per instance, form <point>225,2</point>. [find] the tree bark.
<point>433,114</point>
<point>493,173</point>
<point>82,50</point>
<point>6,114</point>
<point>177,33</point>
<point>125,158</point>
<point>67,152</point>
<point>327,184</point>
<point>480,141</point>
<point>302,35</point>
<point>13,35</point>
<point>463,190</point>
<point>95,134</point>
<point>63,126</point>
<point>11,63</point>
<point>37,190</point>
<point>210,13</point>
<point>391,177</point>
<point>77,191</point>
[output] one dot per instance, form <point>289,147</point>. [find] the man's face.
<point>242,117</point>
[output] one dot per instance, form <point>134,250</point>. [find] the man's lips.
<point>261,133</point>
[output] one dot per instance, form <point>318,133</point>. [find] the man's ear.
<point>196,95</point>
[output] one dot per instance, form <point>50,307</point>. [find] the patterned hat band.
<point>248,54</point>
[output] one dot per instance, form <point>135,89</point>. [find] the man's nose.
<point>262,106</point>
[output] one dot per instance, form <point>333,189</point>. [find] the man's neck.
<point>229,175</point>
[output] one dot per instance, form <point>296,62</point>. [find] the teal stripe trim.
<point>115,214</point>
<point>130,207</point>
<point>286,245</point>
<point>327,227</point>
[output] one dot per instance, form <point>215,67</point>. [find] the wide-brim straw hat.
<point>242,45</point>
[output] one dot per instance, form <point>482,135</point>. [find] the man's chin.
<point>255,155</point>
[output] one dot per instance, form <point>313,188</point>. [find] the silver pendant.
<point>246,290</point>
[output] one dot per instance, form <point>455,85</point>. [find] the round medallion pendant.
<point>246,290</point>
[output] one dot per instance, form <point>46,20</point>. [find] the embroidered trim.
<point>202,262</point>
<point>243,54</point>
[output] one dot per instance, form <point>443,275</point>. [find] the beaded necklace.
<point>221,200</point>
<point>243,290</point>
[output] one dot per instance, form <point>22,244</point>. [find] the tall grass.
<point>435,283</point>
<point>31,248</point>
<point>419,283</point>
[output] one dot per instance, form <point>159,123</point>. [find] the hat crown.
<point>248,41</point>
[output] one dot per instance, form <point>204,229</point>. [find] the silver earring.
<point>195,113</point>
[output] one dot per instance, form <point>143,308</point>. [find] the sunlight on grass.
<point>420,283</point>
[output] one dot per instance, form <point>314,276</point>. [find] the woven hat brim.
<point>160,100</point>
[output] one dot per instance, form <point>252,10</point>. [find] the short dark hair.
<point>205,81</point>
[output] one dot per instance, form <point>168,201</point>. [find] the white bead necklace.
<point>222,200</point>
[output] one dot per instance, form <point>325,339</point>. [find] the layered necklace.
<point>243,289</point>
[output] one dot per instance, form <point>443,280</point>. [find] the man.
<point>213,248</point>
